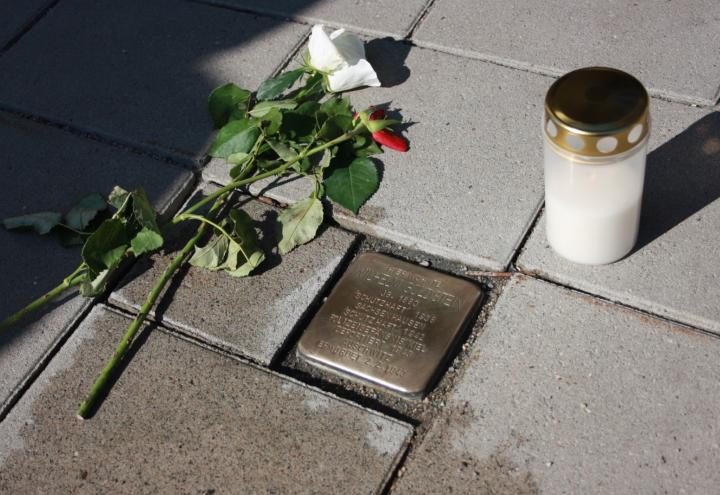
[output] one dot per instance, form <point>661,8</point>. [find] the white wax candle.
<point>592,208</point>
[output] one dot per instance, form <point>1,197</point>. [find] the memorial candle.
<point>596,128</point>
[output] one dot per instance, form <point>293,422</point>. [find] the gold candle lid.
<point>596,112</point>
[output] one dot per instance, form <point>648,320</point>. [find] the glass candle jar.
<point>596,129</point>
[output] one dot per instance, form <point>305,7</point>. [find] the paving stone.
<point>183,419</point>
<point>673,270</point>
<point>374,17</point>
<point>131,71</point>
<point>46,169</point>
<point>15,16</point>
<point>671,47</point>
<point>252,316</point>
<point>566,394</point>
<point>472,181</point>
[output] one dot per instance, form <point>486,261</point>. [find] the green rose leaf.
<point>106,246</point>
<point>212,255</point>
<point>95,284</point>
<point>272,121</point>
<point>297,127</point>
<point>143,211</point>
<point>285,152</point>
<point>264,107</point>
<point>118,197</point>
<point>239,136</point>
<point>42,222</point>
<point>337,106</point>
<point>325,160</point>
<point>244,253</point>
<point>274,87</point>
<point>335,126</point>
<point>351,186</point>
<point>226,101</point>
<point>300,223</point>
<point>145,241</point>
<point>80,215</point>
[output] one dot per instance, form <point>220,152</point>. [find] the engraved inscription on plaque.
<point>390,322</point>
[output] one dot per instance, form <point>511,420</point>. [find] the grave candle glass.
<point>596,127</point>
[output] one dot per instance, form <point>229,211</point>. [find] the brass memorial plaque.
<point>389,322</point>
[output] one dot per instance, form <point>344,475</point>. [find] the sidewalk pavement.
<point>583,380</point>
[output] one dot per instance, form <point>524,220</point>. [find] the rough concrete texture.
<point>566,394</point>
<point>182,419</point>
<point>471,183</point>
<point>15,16</point>
<point>673,270</point>
<point>667,45</point>
<point>131,71</point>
<point>32,156</point>
<point>252,316</point>
<point>375,17</point>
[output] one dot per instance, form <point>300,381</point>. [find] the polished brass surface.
<point>587,105</point>
<point>390,322</point>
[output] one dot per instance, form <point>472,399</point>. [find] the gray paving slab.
<point>183,419</point>
<point>131,71</point>
<point>16,16</point>
<point>669,46</point>
<point>251,316</point>
<point>471,183</point>
<point>566,394</point>
<point>46,169</point>
<point>673,271</point>
<point>374,17</point>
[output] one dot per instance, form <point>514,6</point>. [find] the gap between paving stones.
<point>642,312</point>
<point>28,26</point>
<point>500,61</point>
<point>555,73</point>
<point>300,19</point>
<point>419,19</point>
<point>164,154</point>
<point>154,153</point>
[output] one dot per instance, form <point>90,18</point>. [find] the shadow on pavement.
<point>682,178</point>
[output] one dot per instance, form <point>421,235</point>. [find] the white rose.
<point>342,57</point>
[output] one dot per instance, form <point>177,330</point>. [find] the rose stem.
<point>101,381</point>
<point>70,281</point>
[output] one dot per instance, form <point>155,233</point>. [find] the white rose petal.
<point>354,76</point>
<point>342,57</point>
<point>323,54</point>
<point>351,48</point>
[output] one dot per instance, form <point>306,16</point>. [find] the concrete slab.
<point>382,17</point>
<point>471,183</point>
<point>566,394</point>
<point>673,270</point>
<point>132,72</point>
<point>670,47</point>
<point>251,316</point>
<point>183,419</point>
<point>46,169</point>
<point>15,16</point>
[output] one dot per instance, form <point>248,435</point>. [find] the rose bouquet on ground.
<point>295,123</point>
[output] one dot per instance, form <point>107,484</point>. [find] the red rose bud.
<point>378,114</point>
<point>383,136</point>
<point>392,141</point>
